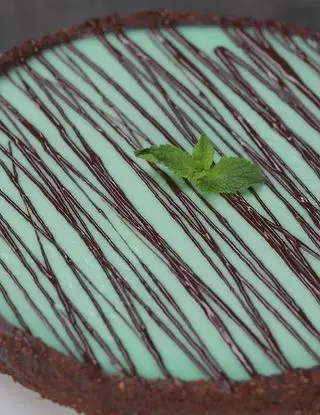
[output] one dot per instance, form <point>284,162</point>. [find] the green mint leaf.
<point>231,175</point>
<point>203,153</point>
<point>176,159</point>
<point>197,175</point>
<point>147,154</point>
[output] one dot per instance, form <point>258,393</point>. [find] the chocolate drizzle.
<point>272,71</point>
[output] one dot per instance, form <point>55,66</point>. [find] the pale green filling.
<point>146,203</point>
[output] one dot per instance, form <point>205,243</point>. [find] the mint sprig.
<point>228,175</point>
<point>177,160</point>
<point>203,153</point>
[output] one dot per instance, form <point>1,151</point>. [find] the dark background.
<point>23,19</point>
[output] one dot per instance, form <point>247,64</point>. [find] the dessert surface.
<point>121,265</point>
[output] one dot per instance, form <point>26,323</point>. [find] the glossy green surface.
<point>126,238</point>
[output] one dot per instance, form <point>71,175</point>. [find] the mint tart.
<point>160,216</point>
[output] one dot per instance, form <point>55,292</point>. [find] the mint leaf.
<point>197,175</point>
<point>231,175</point>
<point>176,159</point>
<point>203,153</point>
<point>147,154</point>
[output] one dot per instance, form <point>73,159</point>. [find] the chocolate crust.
<point>85,388</point>
<point>147,18</point>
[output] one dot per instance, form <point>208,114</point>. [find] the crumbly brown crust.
<point>146,18</point>
<point>68,382</point>
<point>64,380</point>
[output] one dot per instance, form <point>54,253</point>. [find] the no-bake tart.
<point>125,290</point>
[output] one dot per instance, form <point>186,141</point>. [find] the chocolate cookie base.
<point>67,382</point>
<point>148,18</point>
<point>85,388</point>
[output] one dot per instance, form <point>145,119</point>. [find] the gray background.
<point>23,19</point>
